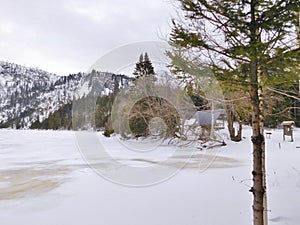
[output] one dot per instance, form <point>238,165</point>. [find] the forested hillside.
<point>28,96</point>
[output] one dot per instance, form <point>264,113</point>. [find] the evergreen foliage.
<point>144,67</point>
<point>60,119</point>
<point>252,48</point>
<point>217,34</point>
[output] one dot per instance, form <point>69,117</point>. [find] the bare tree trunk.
<point>258,140</point>
<point>262,119</point>
<point>232,132</point>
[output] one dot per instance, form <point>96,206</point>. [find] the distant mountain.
<point>28,95</point>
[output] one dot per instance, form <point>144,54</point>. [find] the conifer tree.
<point>248,43</point>
<point>144,67</point>
<point>149,69</point>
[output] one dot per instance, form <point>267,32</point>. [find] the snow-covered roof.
<point>206,117</point>
<point>288,123</point>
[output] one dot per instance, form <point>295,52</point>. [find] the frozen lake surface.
<point>45,180</point>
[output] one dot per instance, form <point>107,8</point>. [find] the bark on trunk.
<point>258,140</point>
<point>232,132</point>
<point>262,119</point>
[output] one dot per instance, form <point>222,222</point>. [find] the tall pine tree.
<point>144,67</point>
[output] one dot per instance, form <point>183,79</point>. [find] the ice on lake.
<point>45,180</point>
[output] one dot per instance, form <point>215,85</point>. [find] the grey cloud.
<point>68,36</point>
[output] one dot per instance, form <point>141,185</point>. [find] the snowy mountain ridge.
<point>31,94</point>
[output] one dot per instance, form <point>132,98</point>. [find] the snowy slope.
<point>29,94</point>
<point>45,181</point>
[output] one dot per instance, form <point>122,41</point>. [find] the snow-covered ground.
<point>44,180</point>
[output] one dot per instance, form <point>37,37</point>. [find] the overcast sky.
<point>68,36</point>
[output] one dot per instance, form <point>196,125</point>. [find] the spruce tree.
<point>138,71</point>
<point>250,44</point>
<point>148,67</point>
<point>144,67</point>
